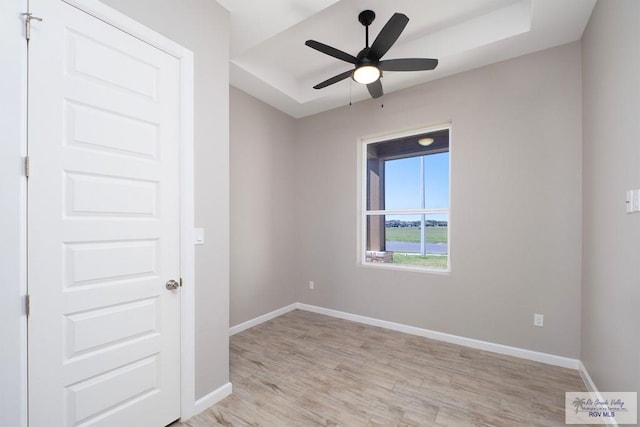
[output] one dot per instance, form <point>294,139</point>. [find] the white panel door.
<point>103,226</point>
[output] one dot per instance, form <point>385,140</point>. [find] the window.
<point>405,215</point>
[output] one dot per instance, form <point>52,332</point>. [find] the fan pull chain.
<point>350,85</point>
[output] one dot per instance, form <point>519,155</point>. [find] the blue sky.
<point>402,185</point>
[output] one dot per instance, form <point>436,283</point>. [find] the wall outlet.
<point>538,320</point>
<point>311,284</point>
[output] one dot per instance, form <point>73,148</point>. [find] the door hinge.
<point>28,16</point>
<point>181,282</point>
<point>27,304</point>
<point>26,166</point>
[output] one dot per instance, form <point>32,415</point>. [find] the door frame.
<point>13,200</point>
<point>16,197</point>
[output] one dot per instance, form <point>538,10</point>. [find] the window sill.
<point>396,267</point>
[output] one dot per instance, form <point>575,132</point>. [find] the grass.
<point>433,261</point>
<point>412,234</point>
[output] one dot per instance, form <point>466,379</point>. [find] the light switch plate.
<point>633,201</point>
<point>199,236</point>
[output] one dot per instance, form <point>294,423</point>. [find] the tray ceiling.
<point>270,61</point>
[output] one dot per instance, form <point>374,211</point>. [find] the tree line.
<point>395,223</point>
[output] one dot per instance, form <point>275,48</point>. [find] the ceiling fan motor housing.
<point>363,57</point>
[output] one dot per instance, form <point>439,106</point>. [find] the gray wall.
<point>203,27</point>
<point>611,165</point>
<point>263,241</point>
<point>515,208</point>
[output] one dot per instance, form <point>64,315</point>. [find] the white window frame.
<point>363,213</point>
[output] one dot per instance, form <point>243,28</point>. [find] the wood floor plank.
<point>306,369</point>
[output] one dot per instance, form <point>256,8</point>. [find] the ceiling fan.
<point>368,64</point>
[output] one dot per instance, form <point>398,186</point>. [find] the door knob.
<point>172,285</point>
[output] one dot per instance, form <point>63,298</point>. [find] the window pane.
<point>436,180</point>
<point>411,240</point>
<point>402,184</point>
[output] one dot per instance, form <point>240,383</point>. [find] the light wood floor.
<point>306,369</point>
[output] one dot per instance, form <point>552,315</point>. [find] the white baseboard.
<point>261,319</point>
<point>586,378</point>
<point>591,387</point>
<point>211,399</point>
<point>536,356</point>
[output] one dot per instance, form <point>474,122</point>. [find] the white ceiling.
<point>270,61</point>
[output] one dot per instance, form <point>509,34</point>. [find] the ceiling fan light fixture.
<point>366,74</point>
<point>425,142</point>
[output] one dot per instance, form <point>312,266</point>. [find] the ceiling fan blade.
<point>375,89</point>
<point>388,35</point>
<point>334,79</point>
<point>331,51</point>
<point>408,64</point>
